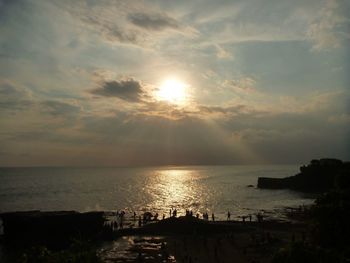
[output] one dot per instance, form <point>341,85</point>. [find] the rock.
<point>272,183</point>
<point>54,229</point>
<point>319,176</point>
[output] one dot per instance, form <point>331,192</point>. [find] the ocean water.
<point>212,189</point>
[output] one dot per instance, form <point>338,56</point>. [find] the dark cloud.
<point>165,110</point>
<point>109,22</point>
<point>58,108</point>
<point>13,97</point>
<point>230,110</point>
<point>112,31</point>
<point>6,3</point>
<point>128,90</point>
<point>153,21</point>
<point>175,112</point>
<point>10,90</point>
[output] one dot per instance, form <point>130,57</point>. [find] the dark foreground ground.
<point>184,239</point>
<point>214,242</point>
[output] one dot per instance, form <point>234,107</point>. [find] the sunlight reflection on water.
<point>157,189</point>
<point>176,189</point>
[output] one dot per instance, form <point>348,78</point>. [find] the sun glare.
<point>173,91</point>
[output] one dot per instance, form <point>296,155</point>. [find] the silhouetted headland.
<point>318,176</point>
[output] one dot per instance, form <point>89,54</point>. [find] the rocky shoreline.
<point>317,177</point>
<point>56,230</point>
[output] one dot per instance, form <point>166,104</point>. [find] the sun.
<point>173,91</point>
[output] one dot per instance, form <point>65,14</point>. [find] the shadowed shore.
<point>174,239</point>
<point>188,239</point>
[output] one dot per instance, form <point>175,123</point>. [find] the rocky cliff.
<point>318,176</point>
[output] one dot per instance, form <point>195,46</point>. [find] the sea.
<point>211,189</point>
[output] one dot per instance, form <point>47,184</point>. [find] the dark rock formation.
<point>53,229</point>
<point>319,176</point>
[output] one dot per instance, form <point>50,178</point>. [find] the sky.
<point>86,82</point>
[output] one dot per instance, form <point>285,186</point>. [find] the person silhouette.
<point>140,222</point>
<point>228,215</point>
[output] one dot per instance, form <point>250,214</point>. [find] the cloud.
<point>129,90</point>
<point>231,110</point>
<point>9,89</point>
<point>325,101</point>
<point>107,19</point>
<point>151,40</point>
<point>223,53</point>
<point>14,97</point>
<point>111,31</point>
<point>153,21</point>
<point>340,119</point>
<point>133,24</point>
<point>128,23</point>
<point>162,109</point>
<point>60,108</point>
<point>330,27</point>
<point>244,84</point>
<point>158,140</point>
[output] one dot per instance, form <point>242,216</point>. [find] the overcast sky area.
<point>267,82</point>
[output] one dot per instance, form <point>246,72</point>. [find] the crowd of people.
<point>118,221</point>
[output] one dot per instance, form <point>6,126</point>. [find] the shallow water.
<point>215,189</point>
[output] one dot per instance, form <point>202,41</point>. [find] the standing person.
<point>121,220</point>
<point>213,216</point>
<point>140,222</point>
<point>228,215</point>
